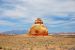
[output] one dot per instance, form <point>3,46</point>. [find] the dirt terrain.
<point>24,42</point>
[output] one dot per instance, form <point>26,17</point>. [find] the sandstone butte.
<point>38,29</point>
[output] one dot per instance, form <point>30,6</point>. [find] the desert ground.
<point>24,42</point>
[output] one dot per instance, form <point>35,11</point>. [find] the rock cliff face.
<point>38,28</point>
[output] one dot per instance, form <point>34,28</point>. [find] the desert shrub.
<point>73,48</point>
<point>51,48</point>
<point>7,48</point>
<point>31,48</point>
<point>0,47</point>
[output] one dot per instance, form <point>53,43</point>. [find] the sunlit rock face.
<point>38,28</point>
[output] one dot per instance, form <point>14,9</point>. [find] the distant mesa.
<point>38,28</point>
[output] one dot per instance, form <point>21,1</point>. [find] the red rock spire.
<point>38,21</point>
<point>38,28</point>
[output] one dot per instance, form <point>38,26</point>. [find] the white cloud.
<point>39,8</point>
<point>29,10</point>
<point>6,23</point>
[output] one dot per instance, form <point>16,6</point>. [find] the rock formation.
<point>38,28</point>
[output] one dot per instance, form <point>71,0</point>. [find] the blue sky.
<point>58,15</point>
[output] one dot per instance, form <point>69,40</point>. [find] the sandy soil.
<point>25,42</point>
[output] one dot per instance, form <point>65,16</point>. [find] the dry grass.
<point>24,42</point>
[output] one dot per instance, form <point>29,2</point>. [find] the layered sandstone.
<point>38,28</point>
